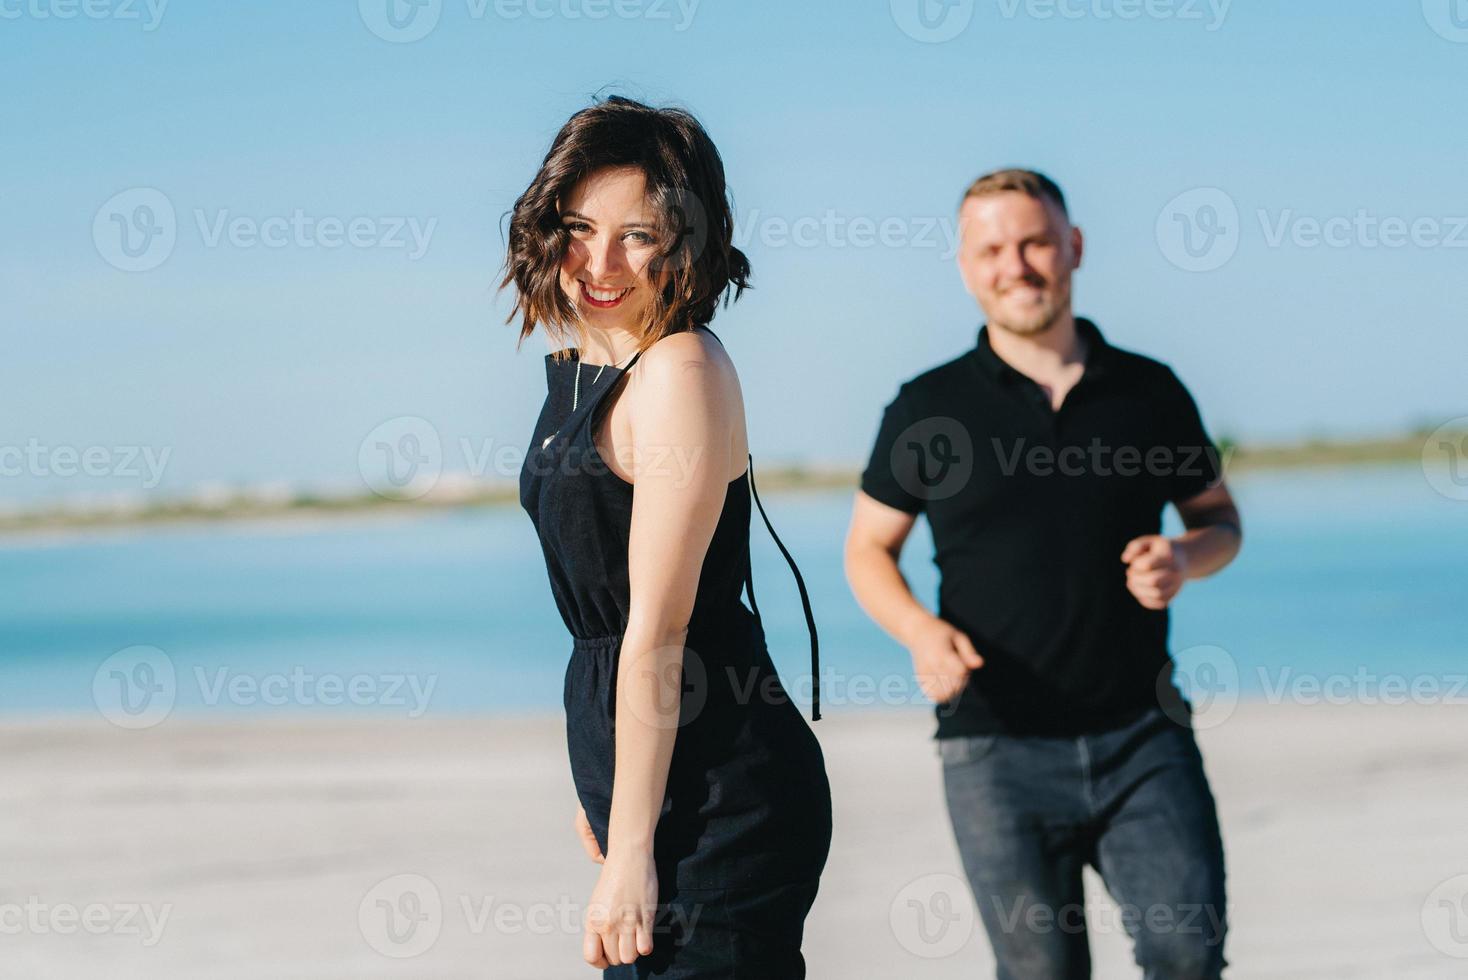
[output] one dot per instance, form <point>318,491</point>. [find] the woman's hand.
<point>619,917</point>
<point>588,839</point>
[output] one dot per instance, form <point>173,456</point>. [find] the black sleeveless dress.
<point>747,804</point>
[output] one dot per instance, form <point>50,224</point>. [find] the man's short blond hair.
<point>1030,182</point>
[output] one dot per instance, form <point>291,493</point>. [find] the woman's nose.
<point>603,259</point>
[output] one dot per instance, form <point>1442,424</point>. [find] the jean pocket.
<point>963,749</point>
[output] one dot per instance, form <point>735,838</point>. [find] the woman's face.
<point>605,272</point>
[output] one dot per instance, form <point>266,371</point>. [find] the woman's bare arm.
<point>682,413</point>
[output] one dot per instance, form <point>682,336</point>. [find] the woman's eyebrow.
<point>581,217</point>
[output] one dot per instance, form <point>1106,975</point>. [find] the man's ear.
<point>1078,245</point>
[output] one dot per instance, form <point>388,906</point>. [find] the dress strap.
<point>810,619</point>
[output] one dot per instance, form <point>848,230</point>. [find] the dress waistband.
<point>609,640</point>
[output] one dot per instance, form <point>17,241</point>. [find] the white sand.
<point>260,840</point>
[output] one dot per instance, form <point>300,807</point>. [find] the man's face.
<point>1016,255</point>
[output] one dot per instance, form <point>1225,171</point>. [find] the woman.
<point>713,835</point>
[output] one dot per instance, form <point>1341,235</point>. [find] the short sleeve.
<point>1198,464</point>
<point>882,479</point>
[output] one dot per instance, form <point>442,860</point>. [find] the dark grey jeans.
<point>1030,812</point>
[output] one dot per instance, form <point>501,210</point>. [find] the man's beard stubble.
<point>1040,319</point>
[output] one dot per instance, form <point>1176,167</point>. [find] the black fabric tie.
<point>810,619</point>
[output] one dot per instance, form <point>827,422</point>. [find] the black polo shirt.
<point>1030,509</point>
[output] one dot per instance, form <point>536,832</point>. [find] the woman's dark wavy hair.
<point>696,265</point>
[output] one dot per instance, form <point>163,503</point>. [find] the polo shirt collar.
<point>1098,353</point>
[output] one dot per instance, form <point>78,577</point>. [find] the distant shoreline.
<point>245,507</point>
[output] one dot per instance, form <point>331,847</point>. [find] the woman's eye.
<point>641,237</point>
<point>577,227</point>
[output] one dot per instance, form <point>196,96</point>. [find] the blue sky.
<point>1328,301</point>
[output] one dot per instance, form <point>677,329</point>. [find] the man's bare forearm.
<point>882,592</point>
<point>1209,548</point>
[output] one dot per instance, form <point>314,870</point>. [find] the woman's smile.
<point>603,299</point>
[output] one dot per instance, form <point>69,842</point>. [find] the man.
<point>1043,459</point>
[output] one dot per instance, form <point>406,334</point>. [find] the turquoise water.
<point>1344,571</point>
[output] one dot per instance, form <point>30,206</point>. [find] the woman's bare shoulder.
<point>689,362</point>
